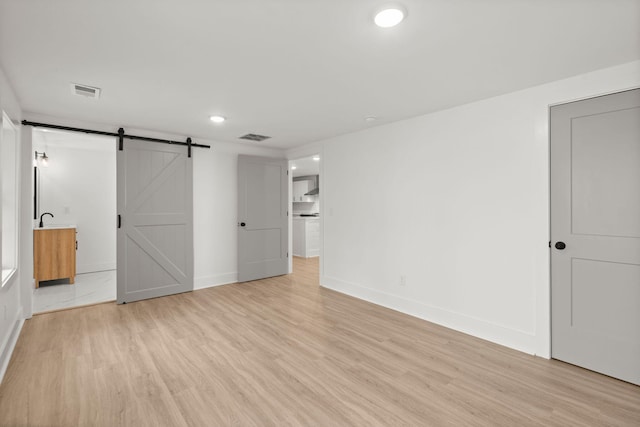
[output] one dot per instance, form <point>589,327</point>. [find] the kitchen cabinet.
<point>299,190</point>
<point>302,185</point>
<point>306,237</point>
<point>54,254</point>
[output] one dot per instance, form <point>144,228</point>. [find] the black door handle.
<point>560,245</point>
<point>242,224</point>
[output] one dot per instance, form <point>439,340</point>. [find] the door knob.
<point>242,224</point>
<point>560,245</point>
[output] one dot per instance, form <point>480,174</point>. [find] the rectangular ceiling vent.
<point>254,137</point>
<point>86,91</point>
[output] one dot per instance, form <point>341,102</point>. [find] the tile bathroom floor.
<point>90,288</point>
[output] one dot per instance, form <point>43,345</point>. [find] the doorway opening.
<point>305,200</point>
<point>75,202</point>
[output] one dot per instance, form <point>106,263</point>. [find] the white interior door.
<point>262,217</point>
<point>595,231</point>
<point>155,204</point>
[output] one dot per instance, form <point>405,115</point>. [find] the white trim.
<point>518,340</point>
<point>7,275</point>
<point>5,120</point>
<point>6,350</point>
<point>217,280</point>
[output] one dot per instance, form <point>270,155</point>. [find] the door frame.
<point>308,152</point>
<point>28,215</point>
<point>548,123</point>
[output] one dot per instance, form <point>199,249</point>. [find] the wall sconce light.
<point>41,159</point>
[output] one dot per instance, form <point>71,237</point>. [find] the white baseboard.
<point>217,280</point>
<point>9,344</point>
<point>92,268</point>
<point>508,337</point>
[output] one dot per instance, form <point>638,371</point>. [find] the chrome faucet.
<point>46,213</point>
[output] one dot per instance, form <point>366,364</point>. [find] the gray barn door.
<point>262,217</point>
<point>155,203</point>
<point>595,231</point>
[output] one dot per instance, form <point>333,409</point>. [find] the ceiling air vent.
<point>86,91</point>
<point>254,137</point>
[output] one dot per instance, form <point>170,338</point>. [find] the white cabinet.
<point>312,237</point>
<point>299,189</point>
<point>299,225</point>
<point>306,237</point>
<point>303,185</point>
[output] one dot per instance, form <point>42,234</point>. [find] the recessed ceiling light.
<point>294,168</point>
<point>316,158</point>
<point>217,119</point>
<point>370,119</point>
<point>389,17</point>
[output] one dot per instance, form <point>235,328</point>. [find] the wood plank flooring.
<point>284,351</point>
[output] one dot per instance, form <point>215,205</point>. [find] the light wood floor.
<point>284,351</point>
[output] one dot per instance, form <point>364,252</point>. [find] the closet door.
<point>263,229</point>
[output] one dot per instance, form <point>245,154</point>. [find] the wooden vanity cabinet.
<point>54,254</point>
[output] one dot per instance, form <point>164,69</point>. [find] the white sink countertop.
<point>54,226</point>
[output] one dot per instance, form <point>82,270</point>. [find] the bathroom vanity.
<point>54,253</point>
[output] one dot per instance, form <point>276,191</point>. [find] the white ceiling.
<point>299,71</point>
<point>306,166</point>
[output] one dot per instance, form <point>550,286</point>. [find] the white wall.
<point>11,313</point>
<point>79,187</point>
<point>458,202</point>
<point>215,207</point>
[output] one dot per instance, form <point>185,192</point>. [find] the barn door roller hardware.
<point>120,134</point>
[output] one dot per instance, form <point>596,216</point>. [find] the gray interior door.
<point>155,204</point>
<point>262,217</point>
<point>595,212</point>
